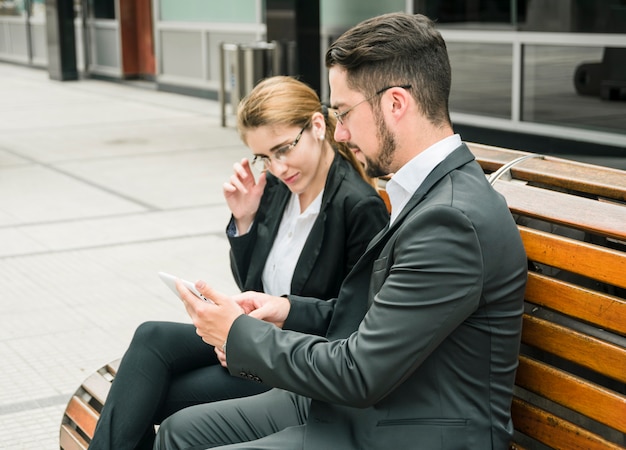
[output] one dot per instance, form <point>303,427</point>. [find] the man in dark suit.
<point>431,363</point>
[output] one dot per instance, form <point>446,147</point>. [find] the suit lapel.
<point>459,157</point>
<point>312,247</point>
<point>351,307</point>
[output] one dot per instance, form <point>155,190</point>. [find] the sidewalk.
<point>101,186</point>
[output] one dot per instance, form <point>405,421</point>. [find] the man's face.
<point>362,127</point>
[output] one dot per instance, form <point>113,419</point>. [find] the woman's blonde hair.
<point>285,101</point>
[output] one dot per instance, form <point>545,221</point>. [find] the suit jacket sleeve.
<point>240,253</point>
<point>426,282</point>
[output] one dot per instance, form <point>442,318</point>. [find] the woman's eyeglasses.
<point>341,115</point>
<point>263,162</point>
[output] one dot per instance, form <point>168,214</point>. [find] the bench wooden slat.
<point>575,301</point>
<point>573,392</point>
<point>559,173</point>
<point>383,194</point>
<point>516,446</point>
<point>69,439</point>
<point>82,415</point>
<point>600,263</point>
<point>573,211</point>
<point>97,386</point>
<point>587,351</point>
<point>83,409</point>
<point>113,366</point>
<point>555,431</point>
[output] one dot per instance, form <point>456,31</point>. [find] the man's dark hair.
<point>397,49</point>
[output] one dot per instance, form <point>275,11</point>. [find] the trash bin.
<point>242,66</point>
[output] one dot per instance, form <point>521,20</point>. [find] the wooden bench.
<point>83,409</point>
<point>571,380</point>
<point>570,389</point>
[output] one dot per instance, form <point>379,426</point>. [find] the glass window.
<point>346,13</point>
<point>481,78</point>
<point>564,85</point>
<point>12,8</point>
<point>577,16</point>
<point>232,11</point>
<point>104,9</point>
<point>474,14</point>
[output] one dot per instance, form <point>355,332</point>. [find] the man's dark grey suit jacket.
<point>429,362</point>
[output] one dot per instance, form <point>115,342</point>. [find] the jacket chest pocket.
<point>380,271</point>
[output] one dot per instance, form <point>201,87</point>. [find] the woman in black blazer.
<point>297,228</point>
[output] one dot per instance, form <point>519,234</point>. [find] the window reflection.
<point>12,8</point>
<point>38,9</point>
<point>552,90</point>
<point>574,16</point>
<point>481,78</point>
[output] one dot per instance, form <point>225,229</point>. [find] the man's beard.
<point>382,165</point>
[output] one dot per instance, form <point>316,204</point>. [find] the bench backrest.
<point>571,380</point>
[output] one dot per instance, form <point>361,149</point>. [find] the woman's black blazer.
<point>350,215</point>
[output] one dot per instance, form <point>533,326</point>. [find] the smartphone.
<point>170,280</point>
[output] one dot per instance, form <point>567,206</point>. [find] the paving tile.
<point>8,159</point>
<point>169,180</point>
<point>144,136</point>
<point>32,194</point>
<point>15,241</point>
<point>114,230</point>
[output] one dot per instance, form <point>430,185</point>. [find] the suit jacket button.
<point>243,374</point>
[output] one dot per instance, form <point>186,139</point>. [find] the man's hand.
<point>212,320</point>
<point>221,356</point>
<point>260,306</point>
<point>264,307</point>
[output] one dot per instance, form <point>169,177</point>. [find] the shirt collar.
<point>409,178</point>
<point>293,207</point>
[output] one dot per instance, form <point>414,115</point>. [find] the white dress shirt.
<point>408,179</point>
<point>292,234</point>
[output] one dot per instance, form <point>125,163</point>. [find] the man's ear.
<point>399,99</point>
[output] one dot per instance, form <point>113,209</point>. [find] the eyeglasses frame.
<point>340,115</point>
<point>281,153</point>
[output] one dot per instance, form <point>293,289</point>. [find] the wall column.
<point>61,40</point>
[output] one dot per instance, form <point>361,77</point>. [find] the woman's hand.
<point>243,194</point>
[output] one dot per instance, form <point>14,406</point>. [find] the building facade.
<point>526,73</point>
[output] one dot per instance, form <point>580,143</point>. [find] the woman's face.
<point>303,167</point>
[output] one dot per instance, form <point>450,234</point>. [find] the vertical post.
<point>222,91</point>
<point>295,26</point>
<point>61,40</point>
<point>308,41</point>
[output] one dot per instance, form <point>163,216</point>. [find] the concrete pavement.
<point>101,186</point>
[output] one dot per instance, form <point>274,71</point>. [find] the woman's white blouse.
<point>293,232</point>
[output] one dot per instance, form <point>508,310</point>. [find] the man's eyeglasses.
<point>263,162</point>
<point>341,115</point>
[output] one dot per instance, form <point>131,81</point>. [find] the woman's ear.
<point>318,125</point>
